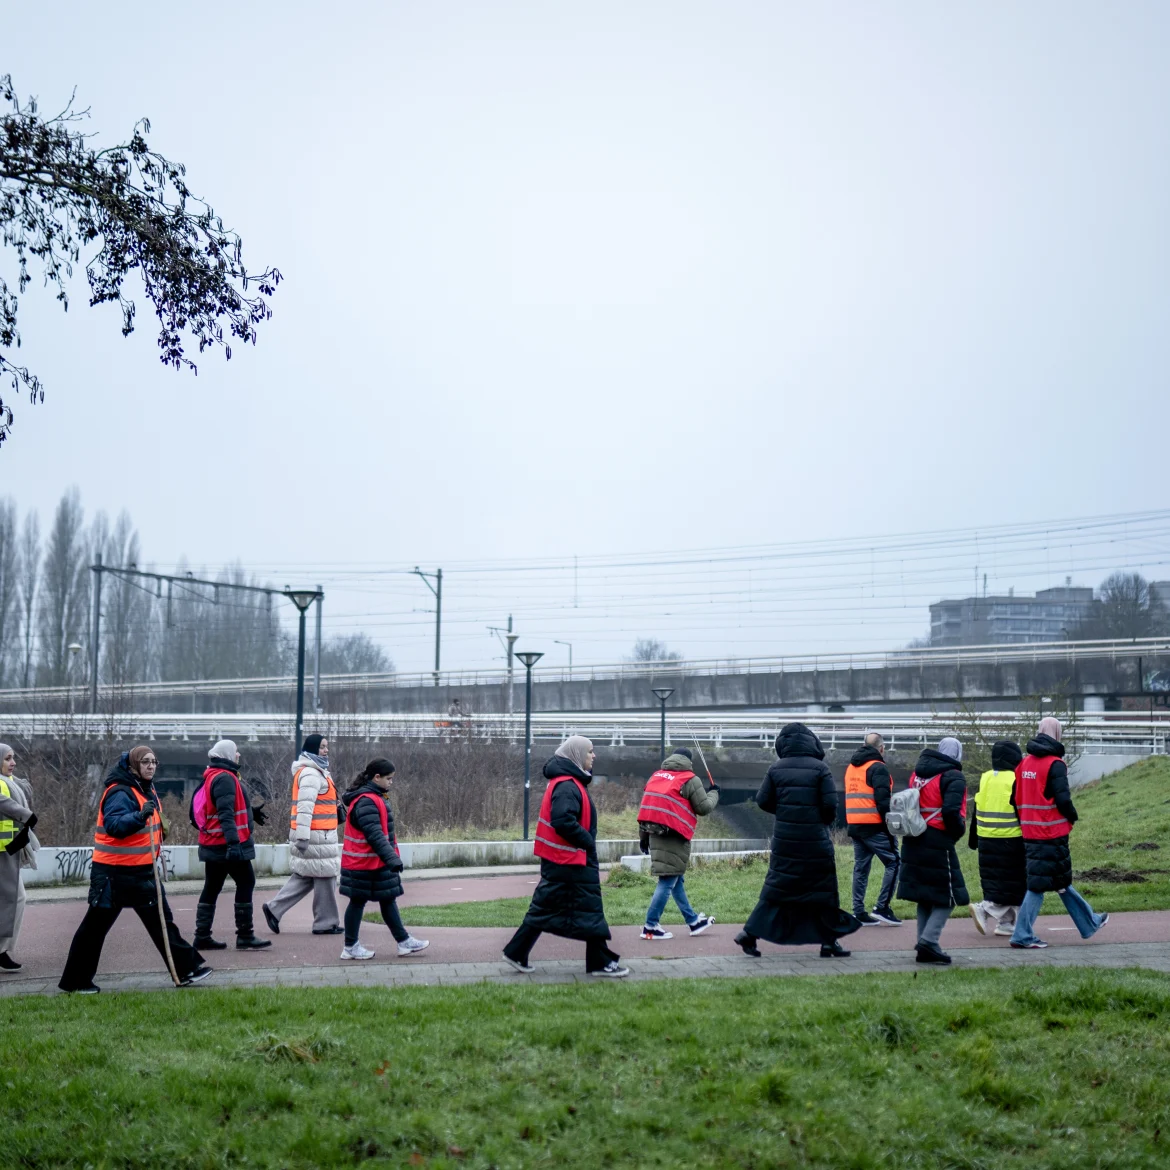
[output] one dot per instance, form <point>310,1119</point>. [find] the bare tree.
<point>64,592</point>
<point>354,654</point>
<point>30,571</point>
<point>652,650</point>
<point>1124,608</point>
<point>9,593</point>
<point>128,622</point>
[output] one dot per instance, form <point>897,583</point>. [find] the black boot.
<point>748,943</point>
<point>246,939</point>
<point>834,950</point>
<point>204,917</point>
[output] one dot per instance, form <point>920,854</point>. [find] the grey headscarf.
<point>1049,725</point>
<point>951,747</point>
<point>575,749</point>
<point>4,750</point>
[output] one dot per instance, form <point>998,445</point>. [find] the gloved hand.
<point>32,822</point>
<point>714,787</point>
<point>644,842</point>
<point>396,865</point>
<point>147,810</point>
<point>235,852</point>
<point>259,815</point>
<point>300,846</point>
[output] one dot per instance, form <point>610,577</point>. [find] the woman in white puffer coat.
<point>314,853</point>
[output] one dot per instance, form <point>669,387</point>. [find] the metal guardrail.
<point>956,656</point>
<point>1092,734</point>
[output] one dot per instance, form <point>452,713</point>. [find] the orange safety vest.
<point>663,803</point>
<point>358,853</point>
<point>1040,819</point>
<point>324,809</point>
<point>132,850</point>
<point>212,832</point>
<point>549,844</point>
<point>860,806</point>
<point>930,799</point>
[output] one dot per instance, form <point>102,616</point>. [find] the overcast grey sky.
<point>606,278</point>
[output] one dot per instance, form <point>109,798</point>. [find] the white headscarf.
<point>575,749</point>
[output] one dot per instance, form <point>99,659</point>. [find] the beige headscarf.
<point>1050,725</point>
<point>575,749</point>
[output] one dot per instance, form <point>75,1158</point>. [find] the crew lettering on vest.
<point>860,806</point>
<point>324,807</point>
<point>664,804</point>
<point>930,799</point>
<point>1040,819</point>
<point>212,832</point>
<point>134,849</point>
<point>357,852</point>
<point>994,815</point>
<point>8,828</point>
<point>549,844</point>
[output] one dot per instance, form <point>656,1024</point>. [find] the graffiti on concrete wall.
<point>73,864</point>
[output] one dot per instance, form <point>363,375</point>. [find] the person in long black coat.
<point>800,902</point>
<point>930,866</point>
<point>1002,868</point>
<point>567,902</point>
<point>363,822</point>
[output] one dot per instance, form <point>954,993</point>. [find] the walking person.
<point>126,845</point>
<point>868,787</point>
<point>995,832</point>
<point>224,816</point>
<point>1045,808</point>
<point>930,866</point>
<point>314,857</point>
<point>370,862</point>
<point>16,824</point>
<point>672,802</point>
<point>567,902</point>
<point>799,903</point>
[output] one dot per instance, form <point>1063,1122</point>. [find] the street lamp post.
<point>529,658</point>
<point>570,646</point>
<point>302,599</point>
<point>662,694</point>
<point>74,651</point>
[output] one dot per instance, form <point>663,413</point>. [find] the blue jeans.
<point>1084,917</point>
<point>666,887</point>
<point>865,849</point>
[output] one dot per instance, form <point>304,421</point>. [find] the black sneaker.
<point>705,922</point>
<point>271,919</point>
<point>924,953</point>
<point>89,989</point>
<point>834,950</point>
<point>335,929</point>
<point>611,971</point>
<point>197,976</point>
<point>886,916</point>
<point>748,944</point>
<point>867,919</point>
<point>9,966</point>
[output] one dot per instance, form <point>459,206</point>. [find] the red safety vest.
<point>1040,819</point>
<point>212,832</point>
<point>132,850</point>
<point>664,804</point>
<point>860,806</point>
<point>357,852</point>
<point>549,844</point>
<point>930,799</point>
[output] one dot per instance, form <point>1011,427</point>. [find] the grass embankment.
<point>1037,1069</point>
<point>1121,817</point>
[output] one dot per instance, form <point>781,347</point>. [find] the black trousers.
<point>85,952</point>
<point>217,872</point>
<point>390,915</point>
<point>597,953</point>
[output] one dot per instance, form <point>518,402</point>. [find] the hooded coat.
<point>372,885</point>
<point>16,808</point>
<point>1002,869</point>
<point>930,866</point>
<point>568,900</point>
<point>1049,862</point>
<point>223,796</point>
<point>321,856</point>
<point>670,851</point>
<point>800,790</point>
<point>123,885</point>
<point>878,778</point>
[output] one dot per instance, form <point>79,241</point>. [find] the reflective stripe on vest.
<point>212,832</point>
<point>663,803</point>
<point>357,852</point>
<point>860,806</point>
<point>994,815</point>
<point>324,807</point>
<point>549,844</point>
<point>134,849</point>
<point>1040,819</point>
<point>7,828</point>
<point>930,799</point>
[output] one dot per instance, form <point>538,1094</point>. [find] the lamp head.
<point>302,598</point>
<point>529,657</point>
<point>663,693</point>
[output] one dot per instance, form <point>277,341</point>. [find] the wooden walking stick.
<point>154,864</point>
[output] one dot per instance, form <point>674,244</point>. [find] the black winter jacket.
<point>1050,862</point>
<point>223,796</point>
<point>1002,871</point>
<point>123,885</point>
<point>568,900</point>
<point>372,885</point>
<point>800,790</point>
<point>930,866</point>
<point>878,778</point>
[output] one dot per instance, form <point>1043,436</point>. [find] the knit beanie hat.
<point>951,747</point>
<point>312,744</point>
<point>225,749</point>
<point>683,752</point>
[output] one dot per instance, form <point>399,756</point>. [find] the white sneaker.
<point>650,933</point>
<point>523,968</point>
<point>980,917</point>
<point>412,945</point>
<point>1005,931</point>
<point>357,951</point>
<point>612,971</point>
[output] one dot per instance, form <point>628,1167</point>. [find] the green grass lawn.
<point>981,1069</point>
<point>1127,810</point>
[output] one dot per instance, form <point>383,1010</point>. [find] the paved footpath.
<point>462,955</point>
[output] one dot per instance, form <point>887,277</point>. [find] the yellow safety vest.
<point>994,814</point>
<point>7,828</point>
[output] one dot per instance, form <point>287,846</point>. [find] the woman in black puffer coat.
<point>930,866</point>
<point>1002,866</point>
<point>800,902</point>
<point>370,863</point>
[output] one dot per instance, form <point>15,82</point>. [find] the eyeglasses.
<point>150,762</point>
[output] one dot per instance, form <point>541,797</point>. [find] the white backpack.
<point>904,818</point>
